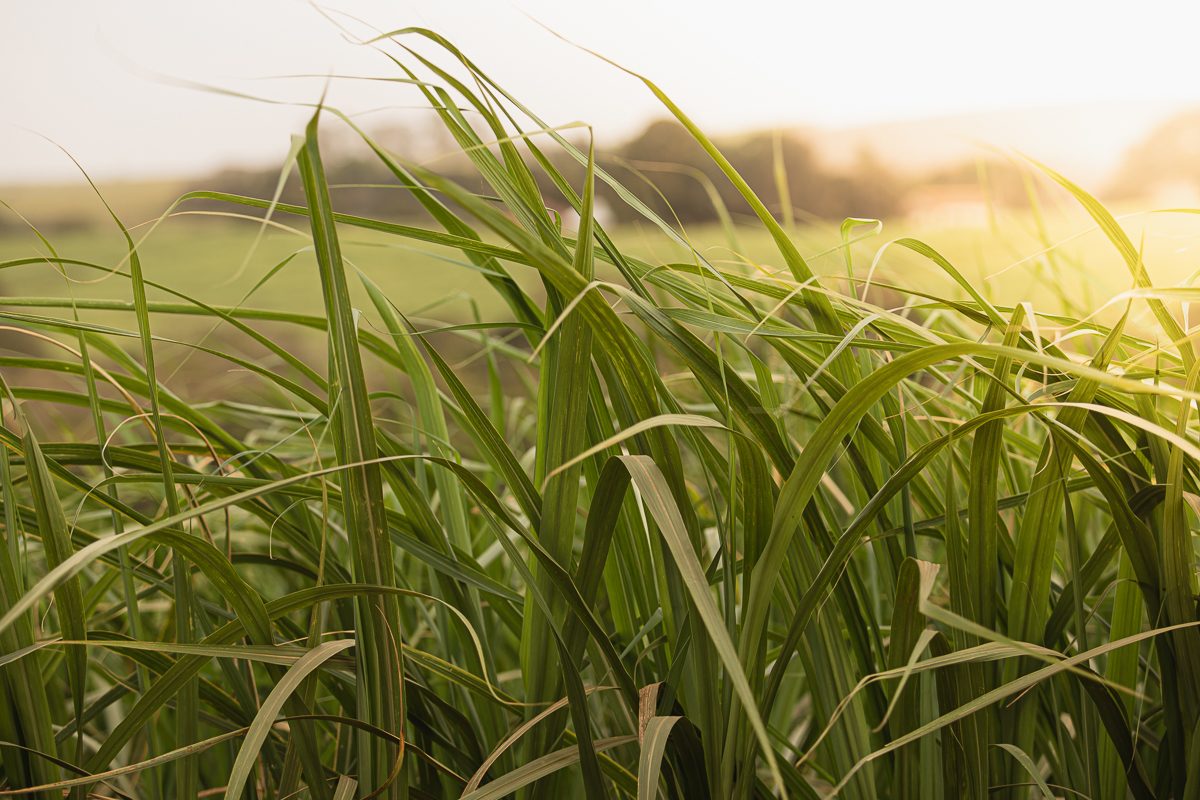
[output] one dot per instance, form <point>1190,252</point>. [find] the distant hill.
<point>1086,142</point>
<point>1165,166</point>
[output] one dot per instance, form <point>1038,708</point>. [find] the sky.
<point>102,79</point>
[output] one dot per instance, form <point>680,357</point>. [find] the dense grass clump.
<point>700,529</point>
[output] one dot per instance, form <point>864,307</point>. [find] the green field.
<point>1068,266</point>
<point>223,262</point>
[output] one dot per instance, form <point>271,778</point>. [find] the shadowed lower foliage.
<point>695,529</point>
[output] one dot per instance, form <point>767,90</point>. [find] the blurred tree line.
<point>662,166</point>
<point>669,172</point>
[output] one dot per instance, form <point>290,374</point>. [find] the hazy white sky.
<point>77,71</point>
